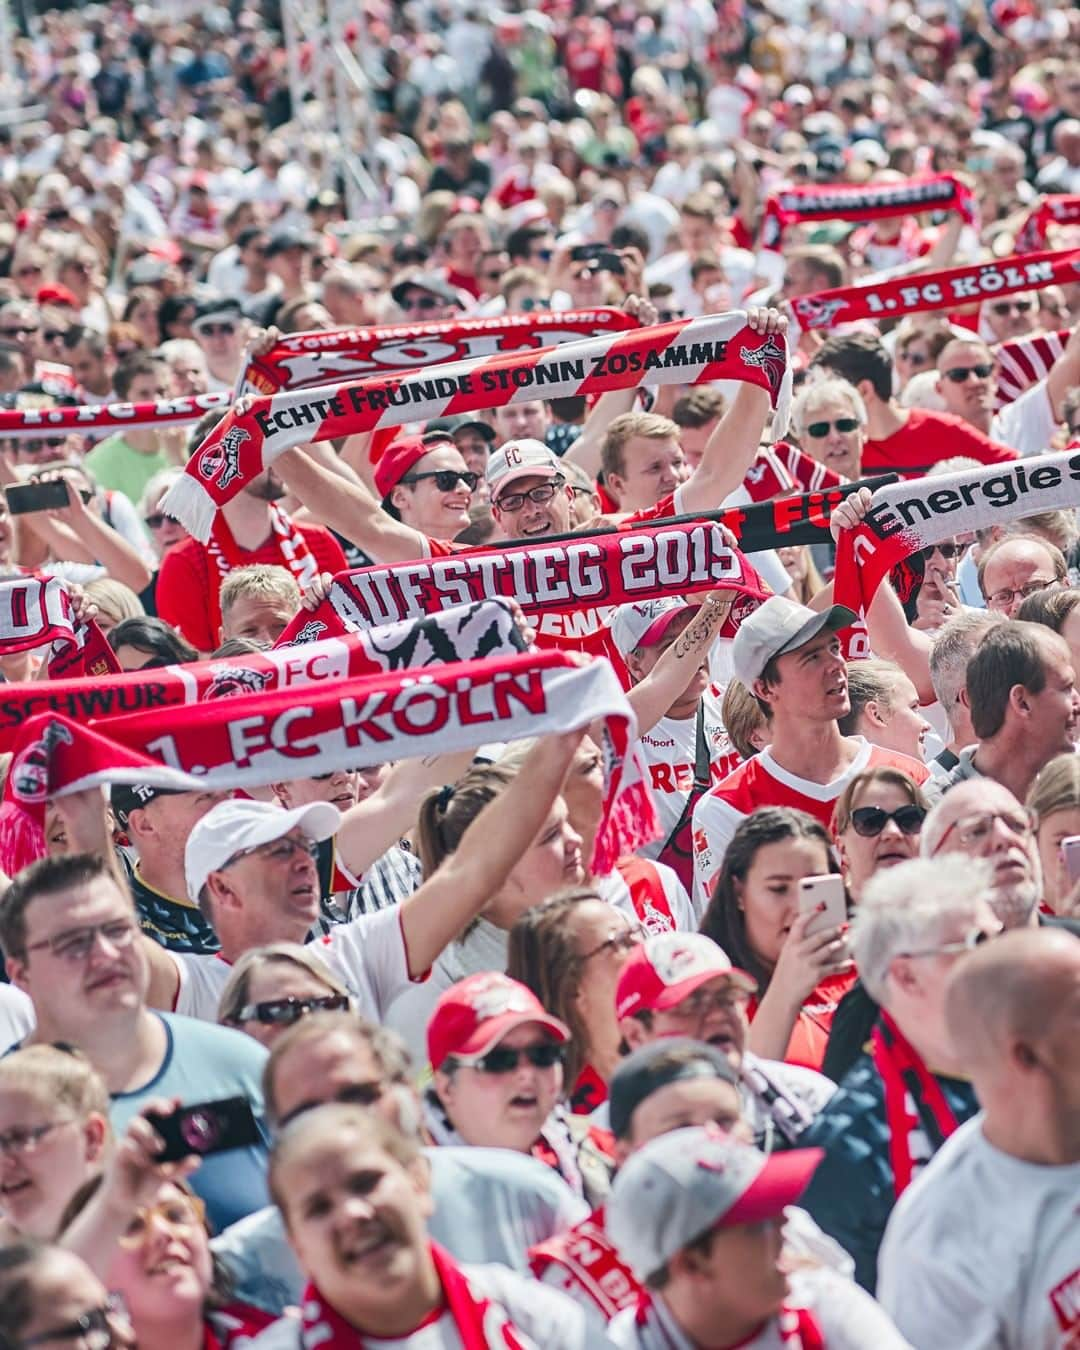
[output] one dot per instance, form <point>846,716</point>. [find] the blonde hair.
<point>235,994</point>
<point>260,581</point>
<point>116,601</point>
<point>65,1077</point>
<point>1056,788</point>
<point>627,425</point>
<point>741,715</point>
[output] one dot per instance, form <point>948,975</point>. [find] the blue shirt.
<point>204,1062</point>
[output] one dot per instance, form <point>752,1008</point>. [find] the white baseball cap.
<point>233,826</point>
<point>644,622</point>
<point>520,459</point>
<point>778,626</point>
<point>692,1181</point>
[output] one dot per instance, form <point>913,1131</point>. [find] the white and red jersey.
<point>761,781</point>
<point>649,893</point>
<point>584,1264</point>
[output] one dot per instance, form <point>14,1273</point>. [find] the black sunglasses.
<point>946,550</point>
<point>820,429</point>
<point>869,821</point>
<point>446,479</point>
<point>156,521</point>
<point>959,374</point>
<point>276,1011</point>
<point>1004,306</point>
<point>504,1060</point>
<point>421,302</point>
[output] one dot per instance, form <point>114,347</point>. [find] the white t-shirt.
<point>17,1018</point>
<point>368,956</point>
<point>982,1251</point>
<point>847,1316</point>
<point>1027,424</point>
<point>545,1319</point>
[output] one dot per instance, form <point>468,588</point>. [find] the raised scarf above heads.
<point>907,516</point>
<point>952,289</point>
<point>683,555</point>
<point>304,360</point>
<point>1025,361</point>
<point>38,423</point>
<point>481,1322</point>
<point>1058,209</point>
<point>462,633</point>
<point>257,739</point>
<point>35,612</point>
<point>871,201</point>
<point>687,351</point>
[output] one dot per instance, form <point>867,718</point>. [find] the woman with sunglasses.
<point>51,1300</point>
<point>570,951</point>
<point>424,482</point>
<point>829,418</point>
<point>272,987</point>
<point>497,1079</point>
<point>876,824</point>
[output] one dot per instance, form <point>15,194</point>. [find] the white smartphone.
<point>1070,856</point>
<point>829,891</point>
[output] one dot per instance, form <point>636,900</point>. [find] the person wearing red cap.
<point>496,1055</point>
<point>425,483</point>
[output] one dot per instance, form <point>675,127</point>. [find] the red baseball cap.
<point>398,458</point>
<point>476,1013</point>
<point>668,967</point>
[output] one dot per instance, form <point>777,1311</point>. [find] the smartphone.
<point>827,890</point>
<point>1070,856</point>
<point>586,252</point>
<point>609,261</point>
<point>24,499</point>
<point>205,1128</point>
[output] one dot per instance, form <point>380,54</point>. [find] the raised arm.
<point>654,695</point>
<point>1064,373</point>
<point>448,901</point>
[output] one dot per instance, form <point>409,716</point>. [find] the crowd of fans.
<point>454,1086</point>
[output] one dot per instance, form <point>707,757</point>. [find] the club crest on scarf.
<point>221,461</point>
<point>770,357</point>
<point>30,771</point>
<point>311,632</point>
<point>228,681</point>
<point>815,313</point>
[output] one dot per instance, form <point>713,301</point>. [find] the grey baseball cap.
<point>673,1059</point>
<point>691,1181</point>
<point>778,626</point>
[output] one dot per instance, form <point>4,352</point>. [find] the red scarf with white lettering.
<point>481,1322</point>
<point>869,201</point>
<point>460,633</point>
<point>257,739</point>
<point>1058,209</point>
<point>225,553</point>
<point>951,289</point>
<point>904,1075</point>
<point>686,351</point>
<point>104,418</point>
<point>35,613</point>
<point>588,1258</point>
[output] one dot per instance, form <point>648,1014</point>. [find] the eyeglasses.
<point>622,940</point>
<point>503,1060</point>
<point>285,1011</point>
<point>424,303</point>
<point>42,443</point>
<point>14,1142</point>
<point>156,521</point>
<point>215,329</point>
<point>514,501</point>
<point>974,831</point>
<point>819,429</point>
<point>1005,306</point>
<point>703,1001</point>
<point>98,1327</point>
<point>947,550</point>
<point>1004,598</point>
<point>959,374</point>
<point>185,1212</point>
<point>446,479</point>
<point>278,850</point>
<point>967,943</point>
<point>75,946</point>
<point>869,821</point>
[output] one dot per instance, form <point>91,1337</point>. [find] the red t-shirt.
<point>189,581</point>
<point>928,437</point>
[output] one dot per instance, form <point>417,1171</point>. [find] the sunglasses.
<point>528,305</point>
<point>214,329</point>
<point>819,429</point>
<point>54,334</point>
<point>959,374</point>
<point>424,303</point>
<point>285,1011</point>
<point>156,521</point>
<point>446,479</point>
<point>869,821</point>
<point>503,1060</point>
<point>1007,306</point>
<point>946,550</point>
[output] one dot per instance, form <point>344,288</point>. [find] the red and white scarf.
<point>907,516</point>
<point>1058,209</point>
<point>871,201</point>
<point>225,554</point>
<point>481,1322</point>
<point>304,360</point>
<point>589,1258</point>
<point>904,1076</point>
<point>460,633</point>
<point>262,738</point>
<point>791,1328</point>
<point>38,613</point>
<point>103,418</point>
<point>951,289</point>
<point>687,351</point>
<point>782,469</point>
<point>1025,361</point>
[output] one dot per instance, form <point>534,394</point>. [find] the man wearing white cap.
<point>252,871</point>
<point>699,1218</point>
<point>790,658</point>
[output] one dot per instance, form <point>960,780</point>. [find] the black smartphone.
<point>586,252</point>
<point>24,499</point>
<point>609,261</point>
<point>205,1128</point>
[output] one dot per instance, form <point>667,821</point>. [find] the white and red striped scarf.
<point>37,613</point>
<point>295,554</point>
<point>687,351</point>
<point>1058,209</point>
<point>953,288</point>
<point>1025,361</point>
<point>103,418</point>
<point>870,201</point>
<point>783,468</point>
